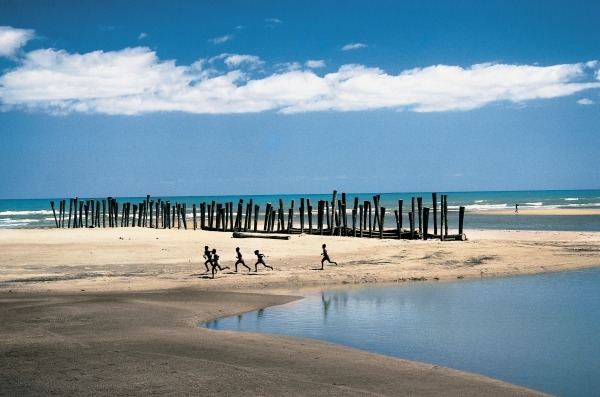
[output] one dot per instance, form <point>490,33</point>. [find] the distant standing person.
<point>516,208</point>
<point>326,257</point>
<point>260,260</point>
<point>208,256</point>
<point>215,263</point>
<point>239,259</point>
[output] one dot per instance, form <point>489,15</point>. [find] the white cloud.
<point>353,46</point>
<point>142,36</point>
<point>12,39</point>
<point>314,64</point>
<point>135,80</point>
<point>222,39</point>
<point>272,22</point>
<point>237,60</point>
<point>585,101</point>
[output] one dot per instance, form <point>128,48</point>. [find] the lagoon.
<point>540,331</point>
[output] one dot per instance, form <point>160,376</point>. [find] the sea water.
<point>540,331</point>
<point>38,213</point>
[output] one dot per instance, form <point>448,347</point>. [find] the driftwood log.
<point>267,236</point>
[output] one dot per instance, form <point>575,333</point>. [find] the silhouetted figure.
<point>260,260</point>
<point>208,256</point>
<point>326,257</point>
<point>239,259</point>
<point>215,263</point>
<point>516,208</point>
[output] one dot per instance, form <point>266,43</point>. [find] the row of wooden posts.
<point>367,218</point>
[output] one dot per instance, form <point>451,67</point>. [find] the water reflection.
<point>537,331</point>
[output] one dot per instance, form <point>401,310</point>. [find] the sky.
<point>128,98</point>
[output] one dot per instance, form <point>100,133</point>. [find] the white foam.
<point>23,213</point>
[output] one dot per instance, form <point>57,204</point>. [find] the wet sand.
<point>116,311</point>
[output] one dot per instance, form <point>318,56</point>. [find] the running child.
<point>239,259</point>
<point>260,260</point>
<point>326,257</point>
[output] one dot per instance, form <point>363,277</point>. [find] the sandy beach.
<point>116,311</point>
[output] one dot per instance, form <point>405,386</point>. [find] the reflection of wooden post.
<point>425,222</point>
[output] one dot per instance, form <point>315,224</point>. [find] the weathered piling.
<point>425,223</point>
<point>301,209</point>
<point>368,218</point>
<point>434,200</point>
<point>310,219</point>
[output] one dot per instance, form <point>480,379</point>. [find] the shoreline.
<point>122,308</point>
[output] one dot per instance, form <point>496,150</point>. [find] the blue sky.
<point>115,98</point>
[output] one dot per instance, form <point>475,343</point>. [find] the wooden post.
<point>256,209</point>
<point>442,220</point>
<point>435,225</point>
<point>309,207</point>
<point>446,214</point>
<point>70,209</point>
<point>398,223</point>
<point>301,215</point>
<point>290,223</point>
<point>81,214</point>
<point>411,220</point>
<point>320,209</point>
<point>381,219</point>
<point>135,207</point>
<point>327,215</point>
<point>344,217</point>
<point>461,219</point>
<point>267,217</point>
<point>202,215</point>
<point>425,222</point>
<point>361,220</point>
<point>420,209</point>
<point>376,221</point>
<point>54,212</point>
<point>333,220</point>
<point>238,217</point>
<point>193,212</point>
<point>400,204</point>
<point>183,211</point>
<point>354,215</point>
<point>97,213</point>
<point>370,219</point>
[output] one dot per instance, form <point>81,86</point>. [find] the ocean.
<point>37,213</point>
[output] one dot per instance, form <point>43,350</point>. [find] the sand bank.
<point>115,311</point>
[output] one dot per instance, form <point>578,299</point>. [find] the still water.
<point>540,331</point>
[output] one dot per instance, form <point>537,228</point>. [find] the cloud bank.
<point>135,81</point>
